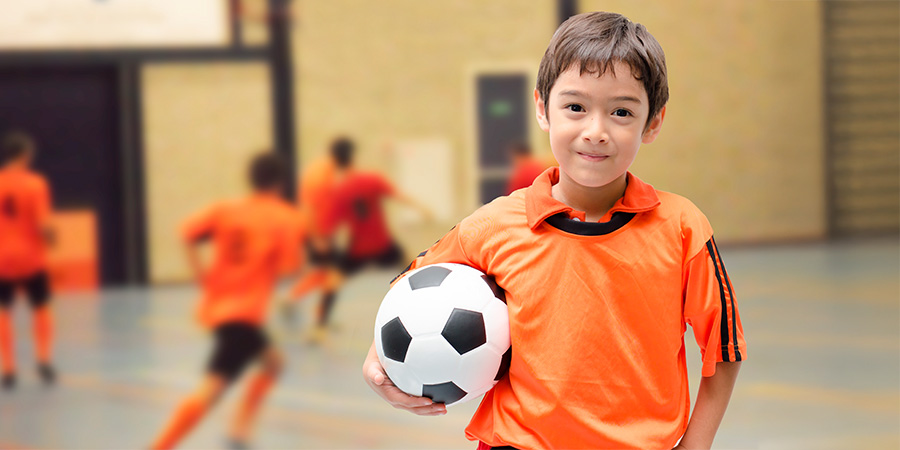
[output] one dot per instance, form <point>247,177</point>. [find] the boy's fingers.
<point>403,399</point>
<point>437,409</point>
<point>376,376</point>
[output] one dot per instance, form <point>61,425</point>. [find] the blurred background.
<point>783,127</point>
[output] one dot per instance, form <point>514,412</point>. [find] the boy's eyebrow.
<point>626,98</point>
<point>621,98</point>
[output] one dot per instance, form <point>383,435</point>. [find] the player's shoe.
<point>318,335</point>
<point>8,381</point>
<point>290,313</point>
<point>234,444</point>
<point>47,374</point>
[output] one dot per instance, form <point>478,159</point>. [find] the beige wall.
<point>742,138</point>
<point>743,133</point>
<point>202,123</point>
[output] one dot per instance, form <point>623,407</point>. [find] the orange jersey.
<point>317,185</point>
<point>597,315</point>
<point>254,241</point>
<point>24,209</point>
<point>357,201</point>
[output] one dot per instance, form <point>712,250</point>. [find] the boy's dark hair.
<point>519,148</point>
<point>268,171</point>
<point>15,144</point>
<point>342,150</point>
<point>597,40</point>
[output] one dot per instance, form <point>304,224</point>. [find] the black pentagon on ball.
<point>464,330</point>
<point>428,277</point>
<point>395,340</point>
<point>445,393</point>
<point>498,292</point>
<point>504,364</point>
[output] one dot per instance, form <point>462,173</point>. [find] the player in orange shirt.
<point>255,240</point>
<point>24,211</point>
<point>602,272</point>
<point>525,167</point>
<point>316,193</point>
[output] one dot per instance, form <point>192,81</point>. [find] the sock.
<point>307,284</point>
<point>43,334</point>
<point>257,389</point>
<point>7,347</point>
<point>185,418</point>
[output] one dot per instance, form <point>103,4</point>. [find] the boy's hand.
<point>378,380</point>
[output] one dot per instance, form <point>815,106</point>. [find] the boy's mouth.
<point>592,156</point>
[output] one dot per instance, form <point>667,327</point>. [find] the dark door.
<point>73,115</point>
<point>502,110</point>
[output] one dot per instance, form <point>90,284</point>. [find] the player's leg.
<point>319,256</point>
<point>333,282</point>
<point>235,347</point>
<point>38,290</point>
<point>271,364</point>
<point>7,346</point>
<point>190,411</point>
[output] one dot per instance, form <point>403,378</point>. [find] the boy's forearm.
<point>712,400</point>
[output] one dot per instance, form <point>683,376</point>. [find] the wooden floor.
<point>822,322</point>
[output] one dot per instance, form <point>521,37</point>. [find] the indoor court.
<point>783,126</point>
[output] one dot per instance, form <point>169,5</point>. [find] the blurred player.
<point>525,167</point>
<point>357,202</point>
<point>24,212</point>
<point>317,185</point>
<point>255,240</point>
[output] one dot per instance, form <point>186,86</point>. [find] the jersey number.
<point>361,209</point>
<point>9,207</point>
<point>236,252</point>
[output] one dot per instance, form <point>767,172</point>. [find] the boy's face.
<point>596,124</point>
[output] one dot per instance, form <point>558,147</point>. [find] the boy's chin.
<point>591,180</point>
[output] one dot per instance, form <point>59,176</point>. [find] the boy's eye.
<point>621,112</point>
<point>575,108</point>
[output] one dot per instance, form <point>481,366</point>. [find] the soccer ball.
<point>442,332</point>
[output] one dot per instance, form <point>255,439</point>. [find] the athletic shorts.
<point>237,345</point>
<point>317,257</point>
<point>391,257</point>
<point>36,287</point>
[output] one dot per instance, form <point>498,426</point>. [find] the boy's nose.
<point>595,133</point>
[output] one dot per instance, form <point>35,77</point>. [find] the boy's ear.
<point>540,111</point>
<point>654,126</point>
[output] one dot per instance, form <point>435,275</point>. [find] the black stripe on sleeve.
<point>737,352</point>
<point>409,266</point>
<point>724,320</point>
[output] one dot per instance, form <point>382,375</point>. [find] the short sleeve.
<point>43,203</point>
<point>711,310</point>
<point>200,226</point>
<point>384,186</point>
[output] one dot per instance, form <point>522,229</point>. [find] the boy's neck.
<point>594,201</point>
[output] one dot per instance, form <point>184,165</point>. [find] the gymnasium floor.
<point>822,323</point>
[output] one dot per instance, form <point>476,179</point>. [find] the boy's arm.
<point>194,232</point>
<point>194,260</point>
<point>712,400</point>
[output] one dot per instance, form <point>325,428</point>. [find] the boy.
<point>601,271</point>
<point>255,240</point>
<point>24,212</point>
